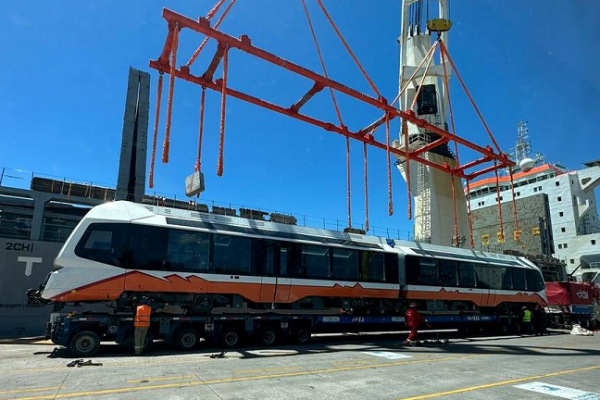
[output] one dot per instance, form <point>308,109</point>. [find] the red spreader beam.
<point>177,22</point>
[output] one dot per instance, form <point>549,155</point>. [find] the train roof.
<point>124,211</point>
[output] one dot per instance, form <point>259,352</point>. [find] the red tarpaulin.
<point>565,293</point>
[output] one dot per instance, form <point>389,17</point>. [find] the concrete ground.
<point>370,366</point>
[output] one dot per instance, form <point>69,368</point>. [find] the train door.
<point>284,274</point>
<point>267,251</point>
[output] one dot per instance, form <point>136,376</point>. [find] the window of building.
<point>518,193</point>
<point>593,242</point>
<point>315,261</point>
<point>563,229</point>
<point>557,183</point>
<point>560,246</point>
<point>561,214</point>
<point>535,189</point>
<point>559,198</point>
<point>565,245</point>
<point>345,264</point>
<point>572,261</point>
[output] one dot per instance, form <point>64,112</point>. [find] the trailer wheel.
<point>267,336</point>
<point>231,337</point>
<point>187,339</point>
<point>84,344</point>
<point>302,335</point>
<point>503,328</point>
<point>517,328</point>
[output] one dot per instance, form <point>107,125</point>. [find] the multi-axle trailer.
<point>83,333</point>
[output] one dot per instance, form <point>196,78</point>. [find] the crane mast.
<point>431,189</point>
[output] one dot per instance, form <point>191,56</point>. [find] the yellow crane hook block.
<point>439,25</point>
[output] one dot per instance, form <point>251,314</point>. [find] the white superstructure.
<point>573,210</point>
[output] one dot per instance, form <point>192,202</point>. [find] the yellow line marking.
<point>166,378</point>
<point>265,370</point>
<point>42,389</point>
<point>238,379</point>
<point>123,364</point>
<point>356,362</point>
<point>502,383</point>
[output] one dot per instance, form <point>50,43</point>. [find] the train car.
<point>206,263</point>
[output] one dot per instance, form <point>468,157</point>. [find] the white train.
<point>204,262</point>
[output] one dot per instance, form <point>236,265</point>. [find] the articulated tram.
<point>205,263</point>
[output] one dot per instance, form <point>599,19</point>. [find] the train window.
<point>187,250</point>
<point>149,247</point>
<point>371,266</point>
<point>105,243</point>
<point>316,261</point>
<point>391,268</point>
<point>231,255</point>
<point>506,278</point>
<point>345,264</point>
<point>534,280</point>
<point>484,277</point>
<point>466,273</point>
<point>518,279</point>
<point>428,272</point>
<point>448,273</point>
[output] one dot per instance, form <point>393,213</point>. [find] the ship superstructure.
<point>575,228</point>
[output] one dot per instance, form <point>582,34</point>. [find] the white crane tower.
<point>431,188</point>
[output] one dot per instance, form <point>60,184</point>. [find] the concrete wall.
<point>534,223</point>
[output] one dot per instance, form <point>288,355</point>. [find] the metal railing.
<point>22,179</point>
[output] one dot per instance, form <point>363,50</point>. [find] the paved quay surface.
<point>371,366</point>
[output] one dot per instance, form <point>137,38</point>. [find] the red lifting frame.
<point>202,26</point>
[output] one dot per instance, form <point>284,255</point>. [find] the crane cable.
<point>358,64</point>
<point>166,144</point>
<point>500,221</point>
<point>155,133</point>
<point>217,24</point>
<point>389,167</point>
<point>472,239</point>
<point>337,111</point>
<point>214,10</point>
<point>366,188</point>
<point>517,232</point>
<point>447,85</point>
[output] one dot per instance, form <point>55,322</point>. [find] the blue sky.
<point>62,92</point>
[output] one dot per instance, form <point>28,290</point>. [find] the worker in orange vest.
<point>141,324</point>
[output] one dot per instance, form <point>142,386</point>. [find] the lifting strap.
<point>223,101</point>
<point>155,133</point>
<point>200,130</point>
<point>167,142</point>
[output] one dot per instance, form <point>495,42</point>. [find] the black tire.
<point>503,328</point>
<point>517,328</point>
<point>302,335</point>
<point>267,336</point>
<point>230,337</point>
<point>187,339</point>
<point>84,344</point>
